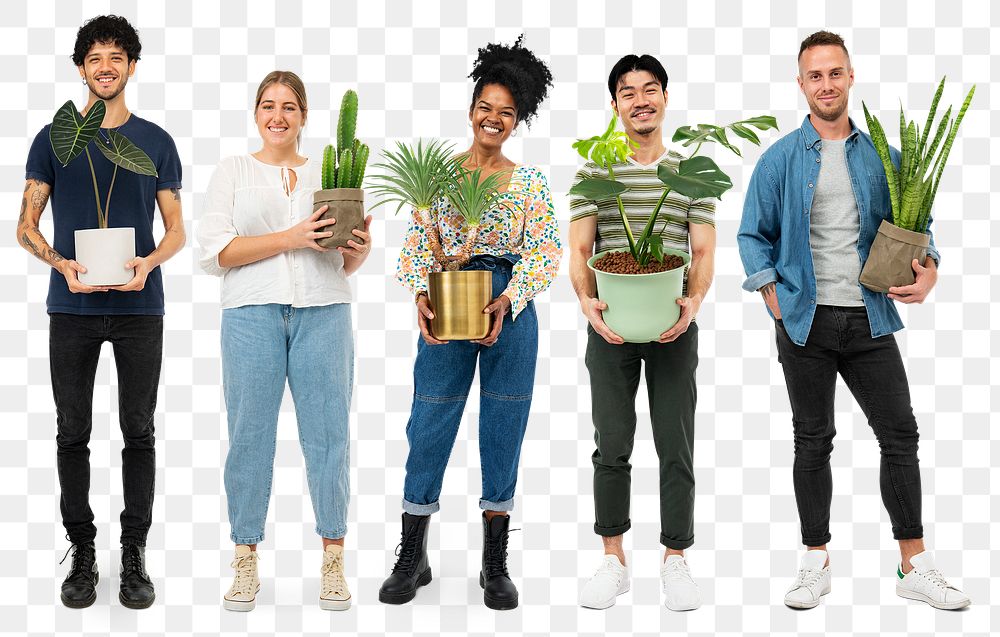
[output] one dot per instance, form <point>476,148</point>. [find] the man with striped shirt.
<point>638,87</point>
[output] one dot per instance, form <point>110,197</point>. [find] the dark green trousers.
<point>670,383</point>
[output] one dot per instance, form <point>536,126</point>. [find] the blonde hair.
<point>293,82</point>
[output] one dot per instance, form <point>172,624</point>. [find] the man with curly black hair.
<point>518,242</point>
<point>83,317</point>
<point>638,88</point>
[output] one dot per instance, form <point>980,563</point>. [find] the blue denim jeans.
<point>313,348</point>
<point>442,376</point>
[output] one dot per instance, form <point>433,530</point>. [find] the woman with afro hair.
<point>520,244</point>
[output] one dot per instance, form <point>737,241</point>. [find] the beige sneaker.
<point>242,595</point>
<point>333,593</point>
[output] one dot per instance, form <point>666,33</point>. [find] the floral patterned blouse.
<point>528,228</point>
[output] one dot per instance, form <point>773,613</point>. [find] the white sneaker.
<point>812,582</point>
<point>242,595</point>
<point>334,594</point>
<point>610,581</point>
<point>926,584</point>
<point>679,590</point>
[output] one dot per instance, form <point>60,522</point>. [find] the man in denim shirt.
<point>812,210</point>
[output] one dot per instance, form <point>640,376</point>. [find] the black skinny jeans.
<point>74,349</point>
<point>840,342</point>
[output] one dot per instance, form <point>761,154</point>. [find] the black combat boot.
<point>136,588</point>
<point>79,589</point>
<point>499,593</point>
<point>411,570</point>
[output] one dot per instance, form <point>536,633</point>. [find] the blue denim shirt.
<point>774,233</point>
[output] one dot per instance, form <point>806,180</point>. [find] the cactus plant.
<point>344,164</point>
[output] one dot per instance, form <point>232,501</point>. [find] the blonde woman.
<point>285,315</point>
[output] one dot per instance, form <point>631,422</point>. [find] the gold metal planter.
<point>457,300</point>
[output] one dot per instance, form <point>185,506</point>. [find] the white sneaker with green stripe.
<point>925,583</point>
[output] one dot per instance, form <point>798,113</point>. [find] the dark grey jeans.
<point>74,349</point>
<point>840,342</point>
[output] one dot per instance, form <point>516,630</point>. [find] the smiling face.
<point>493,116</point>
<point>826,78</point>
<point>640,102</point>
<point>279,116</point>
<point>106,69</point>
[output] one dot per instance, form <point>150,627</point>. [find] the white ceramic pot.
<point>104,252</point>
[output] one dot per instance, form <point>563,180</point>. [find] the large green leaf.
<point>698,177</point>
<point>121,151</point>
<point>598,189</point>
<point>70,132</point>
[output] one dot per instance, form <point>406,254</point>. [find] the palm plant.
<point>696,177</point>
<point>71,134</point>
<point>910,194</point>
<point>417,176</point>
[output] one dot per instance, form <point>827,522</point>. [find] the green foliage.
<point>696,177</point>
<point>471,194</point>
<point>328,171</point>
<point>913,186</point>
<point>347,121</point>
<point>415,175</point>
<point>344,164</point>
<point>71,133</point>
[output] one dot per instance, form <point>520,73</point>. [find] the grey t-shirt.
<point>834,226</point>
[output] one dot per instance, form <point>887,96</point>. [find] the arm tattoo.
<point>39,199</point>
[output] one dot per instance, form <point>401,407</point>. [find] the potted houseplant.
<point>104,250</point>
<point>418,176</point>
<point>640,285</point>
<point>343,171</point>
<point>912,187</point>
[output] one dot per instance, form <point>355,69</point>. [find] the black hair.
<point>631,63</point>
<point>518,70</point>
<point>106,29</point>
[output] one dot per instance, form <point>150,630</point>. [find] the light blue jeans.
<point>313,348</point>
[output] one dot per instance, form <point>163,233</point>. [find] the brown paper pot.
<point>890,261</point>
<point>347,206</point>
<point>457,300</point>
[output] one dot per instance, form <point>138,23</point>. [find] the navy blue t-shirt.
<point>133,203</point>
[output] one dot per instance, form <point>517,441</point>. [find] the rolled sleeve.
<point>215,227</point>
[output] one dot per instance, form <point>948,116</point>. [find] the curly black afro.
<point>518,70</point>
<point>105,29</point>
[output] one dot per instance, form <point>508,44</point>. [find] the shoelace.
<point>333,582</point>
<point>496,554</point>
<point>131,560</point>
<point>406,552</point>
<point>808,578</point>
<point>83,561</point>
<point>677,570</point>
<point>243,582</point>
<point>934,578</point>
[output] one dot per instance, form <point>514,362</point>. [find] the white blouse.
<point>247,197</point>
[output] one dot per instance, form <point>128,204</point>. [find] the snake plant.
<point>913,186</point>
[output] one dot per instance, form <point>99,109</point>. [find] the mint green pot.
<point>641,306</point>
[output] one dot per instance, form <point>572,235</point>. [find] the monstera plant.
<point>102,251</point>
<point>640,285</point>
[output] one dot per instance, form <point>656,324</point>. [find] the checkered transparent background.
<point>409,62</point>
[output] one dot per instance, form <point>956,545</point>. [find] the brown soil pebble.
<point>624,263</point>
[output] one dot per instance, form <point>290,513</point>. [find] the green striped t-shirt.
<point>645,189</point>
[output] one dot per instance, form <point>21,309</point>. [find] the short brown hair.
<point>823,38</point>
<point>292,81</point>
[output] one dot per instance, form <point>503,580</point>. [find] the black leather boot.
<point>411,570</point>
<point>499,593</point>
<point>136,589</point>
<point>79,589</point>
